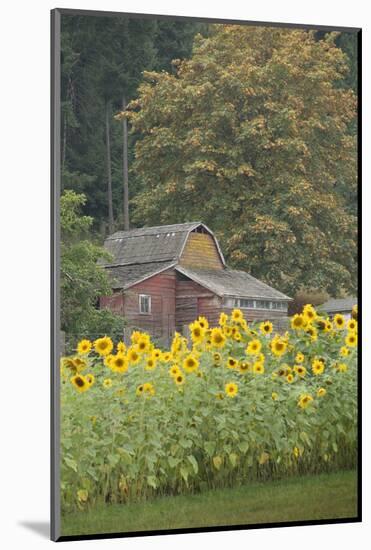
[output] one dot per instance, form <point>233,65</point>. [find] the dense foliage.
<point>253,136</point>
<point>102,61</point>
<point>233,403</point>
<point>82,279</point>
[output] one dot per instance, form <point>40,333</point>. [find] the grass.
<point>325,496</point>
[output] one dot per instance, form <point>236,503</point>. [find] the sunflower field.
<point>231,404</point>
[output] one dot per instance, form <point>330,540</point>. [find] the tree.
<point>82,279</point>
<point>252,135</point>
<point>102,61</point>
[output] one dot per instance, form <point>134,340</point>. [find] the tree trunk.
<point>125,167</point>
<point>109,171</point>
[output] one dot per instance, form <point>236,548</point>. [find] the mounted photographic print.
<point>204,246</point>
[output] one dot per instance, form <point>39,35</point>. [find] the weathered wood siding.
<point>114,302</point>
<point>161,321</point>
<point>193,300</point>
<point>200,251</point>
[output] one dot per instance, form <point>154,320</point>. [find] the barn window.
<point>144,304</point>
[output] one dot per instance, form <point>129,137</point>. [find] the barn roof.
<point>230,282</point>
<point>128,275</point>
<point>149,244</point>
<point>335,305</point>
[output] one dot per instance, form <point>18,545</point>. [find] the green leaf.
<point>233,459</point>
<point>184,473</point>
<point>71,463</point>
<point>185,443</point>
<point>209,447</point>
<point>173,462</point>
<point>194,463</point>
<point>243,446</point>
<point>152,481</point>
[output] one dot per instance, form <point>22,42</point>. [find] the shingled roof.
<point>230,282</point>
<point>128,275</point>
<point>337,305</point>
<point>148,244</point>
<point>141,253</point>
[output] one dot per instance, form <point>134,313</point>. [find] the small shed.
<point>339,305</point>
<point>165,277</point>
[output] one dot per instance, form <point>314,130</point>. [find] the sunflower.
<point>351,339</point>
<point>298,321</point>
<point>150,363</point>
<point>354,313</point>
<point>203,322</point>
<point>341,367</point>
<point>190,363</point>
<point>352,325</point>
<point>197,332</point>
<point>179,379</point>
<point>244,367</point>
<point>329,326</point>
<point>254,347</point>
<point>223,319</point>
<point>84,346</point>
<point>82,495</point>
<point>300,370</point>
<point>227,330</point>
<point>304,401</point>
<point>274,396</point>
<point>121,348</point>
<point>166,356</point>
<point>140,390</point>
<point>321,324</point>
<point>344,351</point>
<point>80,383</point>
<point>119,363</point>
<point>237,315</point>
<point>135,335</point>
<point>321,392</point>
<point>231,389</point>
<point>217,358</point>
<point>90,378</point>
<point>309,312</point>
<point>174,370</point>
<point>107,360</point>
<point>339,321</point>
<point>278,346</point>
<point>133,355</point>
<point>312,331</point>
<point>299,358</point>
<point>317,367</point>
<point>232,363</point>
<point>237,336</point>
<point>156,353</point>
<point>75,364</point>
<point>103,346</point>
<point>107,383</point>
<point>148,388</point>
<point>290,378</point>
<point>266,327</point>
<point>217,338</point>
<point>258,368</point>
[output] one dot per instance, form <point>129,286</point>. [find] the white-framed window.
<point>144,304</point>
<point>247,303</point>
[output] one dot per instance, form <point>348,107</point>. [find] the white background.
<point>24,218</point>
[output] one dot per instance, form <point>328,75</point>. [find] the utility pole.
<point>125,166</point>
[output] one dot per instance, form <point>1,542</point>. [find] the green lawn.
<point>323,496</point>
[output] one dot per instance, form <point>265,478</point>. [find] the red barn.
<point>165,277</point>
